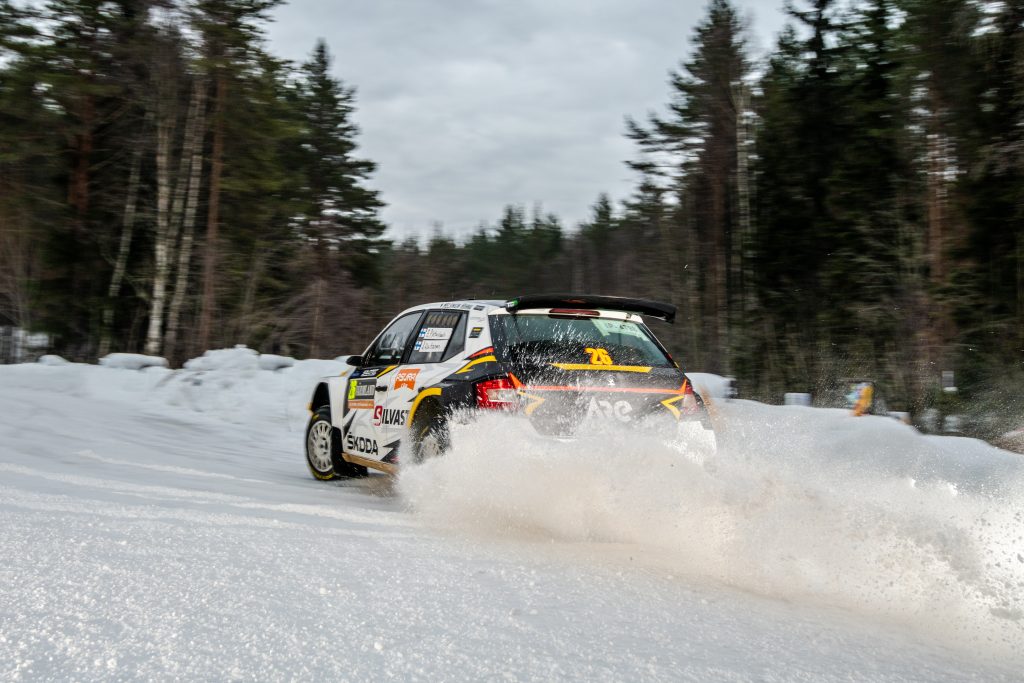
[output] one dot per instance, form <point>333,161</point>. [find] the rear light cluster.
<point>497,393</point>
<point>689,399</point>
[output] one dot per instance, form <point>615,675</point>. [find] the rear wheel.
<point>429,434</point>
<point>323,449</point>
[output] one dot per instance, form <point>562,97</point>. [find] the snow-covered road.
<point>159,525</point>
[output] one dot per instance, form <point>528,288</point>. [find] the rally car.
<point>561,361</point>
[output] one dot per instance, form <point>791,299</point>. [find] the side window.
<point>392,342</point>
<point>458,344</point>
<point>441,336</point>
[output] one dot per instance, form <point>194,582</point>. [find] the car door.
<point>440,339</point>
<point>367,387</point>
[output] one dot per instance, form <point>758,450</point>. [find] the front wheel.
<point>323,449</point>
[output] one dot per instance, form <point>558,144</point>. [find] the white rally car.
<point>557,360</point>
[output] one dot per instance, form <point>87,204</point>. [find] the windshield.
<point>575,342</point>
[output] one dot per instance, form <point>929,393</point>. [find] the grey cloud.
<point>467,106</point>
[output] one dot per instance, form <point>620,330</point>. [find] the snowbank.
<point>238,358</point>
<point>233,385</point>
<point>51,359</point>
<point>270,361</point>
<point>132,361</point>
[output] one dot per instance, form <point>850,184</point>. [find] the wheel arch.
<point>321,397</point>
<point>427,401</point>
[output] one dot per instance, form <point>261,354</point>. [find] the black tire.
<point>323,449</point>
<point>429,434</point>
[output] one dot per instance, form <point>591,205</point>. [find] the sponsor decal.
<point>475,332</point>
<point>361,388</point>
<point>361,404</point>
<point>388,416</point>
<point>613,410</point>
<point>607,327</point>
<point>406,378</point>
<point>435,333</point>
<point>599,357</point>
<point>461,307</point>
<point>431,345</point>
<point>361,444</point>
<point>373,372</point>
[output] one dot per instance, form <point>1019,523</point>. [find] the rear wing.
<point>654,309</point>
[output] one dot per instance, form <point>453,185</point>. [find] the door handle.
<point>382,388</point>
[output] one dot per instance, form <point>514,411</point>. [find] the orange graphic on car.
<point>406,378</point>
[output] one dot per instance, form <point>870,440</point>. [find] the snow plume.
<point>800,504</point>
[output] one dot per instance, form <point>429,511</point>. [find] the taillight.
<point>496,393</point>
<point>689,398</point>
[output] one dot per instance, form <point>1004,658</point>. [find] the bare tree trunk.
<point>193,151</point>
<point>243,328</point>
<point>696,356</point>
<point>936,207</point>
<point>718,337</point>
<point>16,258</point>
<point>1020,286</point>
<point>213,217</point>
<point>938,163</point>
<point>318,301</point>
<point>578,266</point>
<point>743,257</point>
<point>124,247</point>
<point>162,244</point>
<point>78,189</point>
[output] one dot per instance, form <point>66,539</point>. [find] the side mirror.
<point>354,360</point>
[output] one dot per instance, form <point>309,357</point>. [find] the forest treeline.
<point>850,206</point>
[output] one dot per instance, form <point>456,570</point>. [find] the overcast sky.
<point>469,105</point>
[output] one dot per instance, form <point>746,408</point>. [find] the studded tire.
<point>323,449</point>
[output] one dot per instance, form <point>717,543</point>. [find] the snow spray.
<point>800,504</point>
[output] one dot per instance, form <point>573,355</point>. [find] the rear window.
<point>540,339</point>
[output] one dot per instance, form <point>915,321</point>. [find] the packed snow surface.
<point>162,525</point>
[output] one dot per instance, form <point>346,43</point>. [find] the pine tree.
<point>594,266</point>
<point>870,181</point>
<point>88,62</point>
<point>341,213</point>
<point>799,139</point>
<point>698,143</point>
<point>993,189</point>
<point>940,33</point>
<point>28,159</point>
<point>231,32</point>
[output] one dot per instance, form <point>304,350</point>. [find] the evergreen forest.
<point>850,206</point>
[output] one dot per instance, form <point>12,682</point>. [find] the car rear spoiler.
<point>654,309</point>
